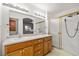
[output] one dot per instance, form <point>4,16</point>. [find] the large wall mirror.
<point>20,24</point>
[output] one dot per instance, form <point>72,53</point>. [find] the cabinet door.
<point>38,47</point>
<point>45,47</point>
<point>15,53</point>
<point>28,51</point>
<point>49,45</point>
<point>39,53</point>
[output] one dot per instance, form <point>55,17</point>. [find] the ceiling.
<point>52,8</point>
<point>55,8</point>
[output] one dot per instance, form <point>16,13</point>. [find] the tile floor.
<point>59,52</point>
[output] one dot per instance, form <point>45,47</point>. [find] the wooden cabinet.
<point>17,46</point>
<point>47,45</point>
<point>28,51</point>
<point>37,41</point>
<point>39,53</point>
<point>50,45</point>
<point>15,53</point>
<point>37,47</point>
<point>24,46</point>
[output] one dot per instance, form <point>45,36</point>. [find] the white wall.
<point>4,22</point>
<point>0,32</point>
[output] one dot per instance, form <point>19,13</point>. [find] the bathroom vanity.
<point>17,27</point>
<point>37,45</point>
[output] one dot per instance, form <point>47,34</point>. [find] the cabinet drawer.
<point>45,47</point>
<point>48,38</point>
<point>39,53</point>
<point>15,53</point>
<point>38,41</point>
<point>38,47</point>
<point>14,47</point>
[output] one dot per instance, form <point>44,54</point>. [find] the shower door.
<point>70,38</point>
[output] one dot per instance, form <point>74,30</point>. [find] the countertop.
<point>22,39</point>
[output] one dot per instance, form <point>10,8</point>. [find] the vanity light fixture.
<point>39,15</point>
<point>15,6</point>
<point>21,8</point>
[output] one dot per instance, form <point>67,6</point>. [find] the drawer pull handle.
<point>20,51</point>
<point>23,50</point>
